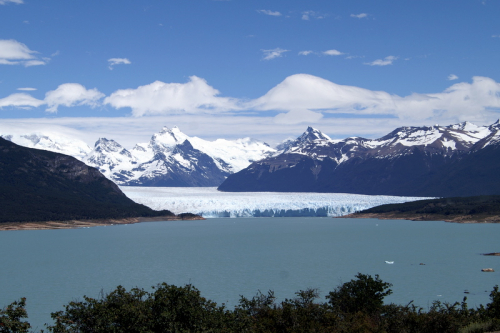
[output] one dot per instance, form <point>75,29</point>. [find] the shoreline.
<point>76,224</point>
<point>419,217</point>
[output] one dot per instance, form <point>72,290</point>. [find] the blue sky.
<point>123,69</point>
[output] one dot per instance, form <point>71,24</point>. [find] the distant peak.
<point>164,130</point>
<point>168,130</point>
<point>312,133</point>
<point>101,141</point>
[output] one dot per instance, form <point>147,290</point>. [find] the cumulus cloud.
<point>157,98</point>
<point>307,92</point>
<point>269,12</point>
<point>382,62</point>
<point>118,61</point>
<point>297,100</point>
<point>13,52</point>
<point>20,100</point>
<point>274,53</point>
<point>304,91</point>
<point>4,2</point>
<point>332,52</point>
<point>72,94</point>
<point>362,15</point>
<point>452,77</point>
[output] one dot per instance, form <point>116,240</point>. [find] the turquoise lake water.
<point>225,258</point>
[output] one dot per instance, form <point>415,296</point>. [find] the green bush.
<point>11,315</point>
<point>355,306</point>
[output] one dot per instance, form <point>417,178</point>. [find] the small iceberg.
<point>389,262</point>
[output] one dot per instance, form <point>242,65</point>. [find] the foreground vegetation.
<point>484,208</point>
<point>355,306</point>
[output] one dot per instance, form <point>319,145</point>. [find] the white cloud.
<point>158,98</point>
<point>118,61</point>
<point>452,77</point>
<point>269,12</point>
<point>298,116</point>
<point>308,52</point>
<point>20,100</point>
<point>495,36</point>
<point>307,15</point>
<point>4,2</point>
<point>72,94</point>
<point>13,52</point>
<point>362,15</point>
<point>332,52</point>
<point>474,100</point>
<point>27,89</point>
<point>382,62</point>
<point>354,57</point>
<point>303,91</point>
<point>274,53</point>
<point>299,100</point>
<point>30,63</point>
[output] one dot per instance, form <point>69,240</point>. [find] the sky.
<point>123,69</point>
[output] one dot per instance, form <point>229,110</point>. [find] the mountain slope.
<point>38,185</point>
<point>456,160</point>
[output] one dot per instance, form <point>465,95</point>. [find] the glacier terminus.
<point>210,203</point>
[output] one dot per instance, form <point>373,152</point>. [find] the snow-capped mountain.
<point>54,142</point>
<point>171,158</point>
<point>435,160</point>
<point>433,139</point>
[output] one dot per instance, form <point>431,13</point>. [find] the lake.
<point>225,258</point>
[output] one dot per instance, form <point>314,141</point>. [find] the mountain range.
<point>170,158</point>
<point>456,160</point>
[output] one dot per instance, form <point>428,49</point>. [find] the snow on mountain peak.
<point>104,145</point>
<point>313,134</point>
<point>167,139</point>
<point>54,142</point>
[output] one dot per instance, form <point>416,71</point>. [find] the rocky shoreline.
<point>74,224</point>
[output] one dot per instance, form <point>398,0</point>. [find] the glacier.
<point>210,203</point>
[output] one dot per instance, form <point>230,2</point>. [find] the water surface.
<point>225,258</point>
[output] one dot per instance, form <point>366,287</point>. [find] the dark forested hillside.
<point>485,208</point>
<point>38,185</point>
